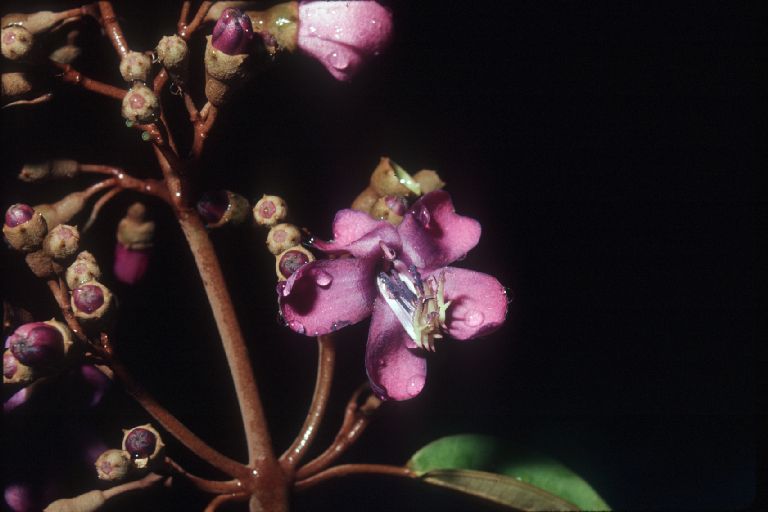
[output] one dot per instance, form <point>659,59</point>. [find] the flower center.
<point>419,305</point>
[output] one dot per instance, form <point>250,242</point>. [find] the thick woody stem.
<point>70,75</point>
<point>112,28</point>
<point>326,357</point>
<point>254,422</point>
<point>353,469</point>
<point>356,418</point>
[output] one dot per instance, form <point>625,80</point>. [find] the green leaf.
<point>505,474</point>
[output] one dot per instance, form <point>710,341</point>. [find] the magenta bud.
<point>291,260</point>
<point>19,498</point>
<point>143,443</point>
<point>18,214</point>
<point>213,205</point>
<point>397,204</point>
<point>37,344</point>
<point>88,298</point>
<point>130,264</point>
<point>233,32</point>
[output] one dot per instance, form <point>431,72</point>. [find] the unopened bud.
<point>365,200</point>
<point>40,344</point>
<point>390,208</point>
<point>135,66</point>
<point>82,270</point>
<point>16,42</point>
<point>91,301</point>
<point>172,53</point>
<point>143,444</point>
<point>291,260</point>
<point>65,54</point>
<point>140,104</point>
<point>24,228</point>
<point>270,210</point>
<point>390,179</point>
<point>282,237</point>
<point>61,242</point>
<point>113,465</point>
<point>14,372</point>
<point>233,32</point>
<point>53,169</point>
<point>428,180</point>
<point>134,230</point>
<point>222,207</point>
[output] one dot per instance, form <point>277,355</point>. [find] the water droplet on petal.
<point>338,61</point>
<point>323,278</point>
<point>474,318</point>
<point>298,327</point>
<point>381,363</point>
<point>414,385</point>
<point>312,29</point>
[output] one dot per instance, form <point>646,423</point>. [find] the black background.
<point>609,151</point>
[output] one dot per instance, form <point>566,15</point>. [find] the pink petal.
<point>395,371</point>
<point>358,234</point>
<point>325,295</point>
<point>434,235</point>
<point>130,264</point>
<point>342,34</point>
<point>479,302</point>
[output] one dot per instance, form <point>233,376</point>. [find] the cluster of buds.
<point>283,239</point>
<point>135,236</point>
<point>91,301</point>
<point>142,447</point>
<point>390,189</point>
<point>33,349</point>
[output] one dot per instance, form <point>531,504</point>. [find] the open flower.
<point>342,35</point>
<point>399,275</point>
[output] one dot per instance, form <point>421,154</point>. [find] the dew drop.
<point>313,29</point>
<point>298,327</point>
<point>381,363</point>
<point>323,278</point>
<point>474,318</point>
<point>414,385</point>
<point>338,61</point>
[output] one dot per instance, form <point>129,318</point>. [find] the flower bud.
<point>135,66</point>
<point>53,169</point>
<point>173,55</point>
<point>16,42</point>
<point>65,54</point>
<point>390,179</point>
<point>429,181</point>
<point>233,32</point>
<point>290,260</point>
<point>113,465</point>
<point>143,444</point>
<point>270,210</point>
<point>365,200</point>
<point>283,237</point>
<point>24,228</point>
<point>91,301</point>
<point>221,207</point>
<point>14,372</point>
<point>390,208</point>
<point>134,230</point>
<point>40,344</point>
<point>342,35</point>
<point>61,242</point>
<point>83,269</point>
<point>140,104</point>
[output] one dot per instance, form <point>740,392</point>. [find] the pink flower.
<point>342,35</point>
<point>399,275</point>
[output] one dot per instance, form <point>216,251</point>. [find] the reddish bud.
<point>143,443</point>
<point>282,237</point>
<point>140,104</point>
<point>113,465</point>
<point>37,345</point>
<point>130,264</point>
<point>24,228</point>
<point>270,210</point>
<point>233,32</point>
<point>291,260</point>
<point>91,301</point>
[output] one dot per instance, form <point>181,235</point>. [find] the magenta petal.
<point>395,371</point>
<point>17,399</point>
<point>326,295</point>
<point>358,234</point>
<point>130,264</point>
<point>434,235</point>
<point>478,302</point>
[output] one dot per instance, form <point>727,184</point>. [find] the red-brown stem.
<point>353,469</point>
<point>165,418</point>
<point>189,103</point>
<point>183,15</point>
<point>187,31</point>
<point>126,181</point>
<point>326,357</point>
<point>254,422</point>
<point>224,498</point>
<point>112,28</point>
<point>205,485</point>
<point>356,418</point>
<point>98,205</point>
<point>71,75</point>
<point>148,481</point>
<point>202,128</point>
